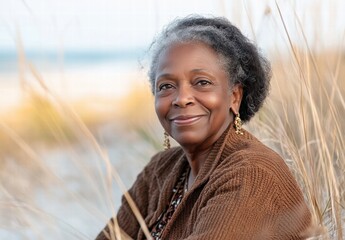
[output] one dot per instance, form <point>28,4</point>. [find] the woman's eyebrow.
<point>199,70</point>
<point>165,75</point>
<point>202,70</point>
<point>172,76</point>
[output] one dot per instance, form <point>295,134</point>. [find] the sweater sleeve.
<point>249,203</point>
<point>139,193</point>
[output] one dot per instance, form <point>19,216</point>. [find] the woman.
<point>221,182</point>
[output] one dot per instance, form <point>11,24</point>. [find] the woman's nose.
<point>183,97</point>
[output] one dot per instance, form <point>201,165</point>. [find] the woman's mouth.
<point>185,120</point>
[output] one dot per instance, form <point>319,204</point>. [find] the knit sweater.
<point>244,190</point>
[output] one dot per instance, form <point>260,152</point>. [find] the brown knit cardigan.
<point>244,190</point>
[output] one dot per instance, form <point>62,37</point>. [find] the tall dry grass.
<point>302,120</point>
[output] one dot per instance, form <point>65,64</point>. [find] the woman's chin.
<point>188,139</point>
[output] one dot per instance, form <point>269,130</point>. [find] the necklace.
<point>186,181</point>
<point>178,193</point>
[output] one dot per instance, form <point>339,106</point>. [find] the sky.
<point>89,24</point>
<point>126,24</point>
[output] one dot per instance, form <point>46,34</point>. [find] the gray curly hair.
<point>241,59</point>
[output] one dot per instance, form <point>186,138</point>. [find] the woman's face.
<point>193,95</point>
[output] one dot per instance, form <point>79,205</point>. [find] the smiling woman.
<point>221,182</point>
<point>193,96</point>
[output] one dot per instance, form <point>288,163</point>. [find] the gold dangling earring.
<point>238,124</point>
<point>166,143</point>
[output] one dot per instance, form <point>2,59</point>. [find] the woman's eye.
<point>203,82</point>
<point>165,86</point>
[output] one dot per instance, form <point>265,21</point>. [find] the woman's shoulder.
<point>251,162</point>
<point>251,155</point>
<point>254,178</point>
<point>166,154</point>
<point>162,160</point>
<point>254,153</point>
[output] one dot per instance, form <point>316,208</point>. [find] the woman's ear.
<point>236,98</point>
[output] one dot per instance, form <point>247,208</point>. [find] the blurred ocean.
<point>69,58</point>
<point>72,74</point>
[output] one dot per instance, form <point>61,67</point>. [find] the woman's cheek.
<point>161,108</point>
<point>212,101</point>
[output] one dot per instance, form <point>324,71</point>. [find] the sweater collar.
<point>176,161</point>
<point>228,142</point>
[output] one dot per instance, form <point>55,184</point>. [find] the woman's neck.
<point>197,154</point>
<point>196,160</point>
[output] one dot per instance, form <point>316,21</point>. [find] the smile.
<point>185,120</point>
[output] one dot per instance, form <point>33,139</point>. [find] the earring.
<point>166,143</point>
<point>238,124</point>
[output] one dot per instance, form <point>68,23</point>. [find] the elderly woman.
<point>221,182</point>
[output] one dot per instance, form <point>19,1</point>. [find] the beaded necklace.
<point>178,192</point>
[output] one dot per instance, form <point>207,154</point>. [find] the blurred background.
<point>77,122</point>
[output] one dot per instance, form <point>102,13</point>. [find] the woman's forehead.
<point>194,53</point>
